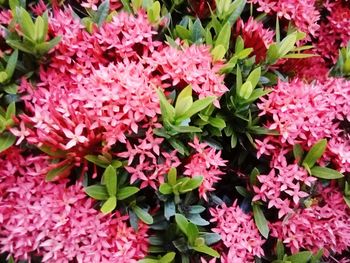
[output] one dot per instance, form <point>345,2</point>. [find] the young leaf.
<point>165,189</point>
<point>98,192</point>
<point>196,107</point>
<point>325,173</point>
<point>26,23</point>
<point>181,222</point>
<point>39,30</point>
<point>218,52</point>
<point>126,192</point>
<point>315,153</point>
<point>6,141</point>
<point>207,250</point>
<point>287,44</point>
<point>11,64</point>
<point>224,36</point>
<point>110,179</point>
<point>172,175</point>
<point>109,205</point>
<point>254,77</point>
<point>191,184</point>
<point>245,90</point>
<point>143,215</point>
<point>260,221</point>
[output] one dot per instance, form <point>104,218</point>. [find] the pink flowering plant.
<point>175,131</point>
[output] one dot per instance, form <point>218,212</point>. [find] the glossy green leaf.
<point>191,184</point>
<point>245,90</point>
<point>254,77</point>
<point>98,192</point>
<point>287,44</point>
<point>260,221</point>
<point>109,205</point>
<point>207,250</point>
<point>224,36</point>
<point>315,153</point>
<point>197,106</point>
<point>26,23</point>
<point>126,192</point>
<point>110,180</point>
<point>6,141</point>
<point>325,173</point>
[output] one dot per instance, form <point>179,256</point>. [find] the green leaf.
<point>94,159</point>
<point>197,31</point>
<point>11,88</point>
<point>182,32</point>
<point>57,172</point>
<point>254,77</point>
<point>317,257</point>
<point>183,102</point>
<point>260,221</point>
<point>11,260</point>
<point>126,192</point>
<point>101,13</point>
<point>143,215</point>
<point>235,10</point>
<point>197,220</point>
<point>10,111</point>
<point>280,249</point>
<point>13,4</point>
<point>242,191</point>
<point>224,36</point>
<point>168,111</point>
<point>127,5</point>
<point>218,52</point>
<point>45,47</point>
<point>245,90</point>
<point>196,107</point>
<point>191,184</point>
<point>172,175</point>
<point>244,53</point>
<point>181,222</point>
<point>18,45</point>
<point>207,250</point>
<point>325,173</point>
<point>39,30</point>
<point>217,122</point>
<point>6,141</point>
<point>54,152</point>
<point>185,129</point>
<point>98,192</point>
<point>298,152</point>
<point>299,55</point>
<point>196,209</point>
<point>167,258</point>
<point>191,232</point>
<point>3,77</point>
<point>347,200</point>
<point>239,46</point>
<point>110,180</point>
<point>165,189</point>
<point>210,238</point>
<point>272,53</point>
<point>301,257</point>
<point>287,44</point>
<point>11,64</point>
<point>315,153</point>
<point>26,23</point>
<point>109,205</point>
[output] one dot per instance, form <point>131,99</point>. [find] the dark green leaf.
<point>58,172</point>
<point>280,249</point>
<point>102,13</point>
<point>301,257</point>
<point>143,215</point>
<point>260,221</point>
<point>126,192</point>
<point>110,180</point>
<point>315,153</point>
<point>11,64</point>
<point>98,192</point>
<point>210,238</point>
<point>191,232</point>
<point>236,10</point>
<point>197,220</point>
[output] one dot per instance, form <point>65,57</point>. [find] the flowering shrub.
<point>174,131</point>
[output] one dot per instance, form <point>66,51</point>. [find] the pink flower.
<point>238,233</point>
<point>75,137</point>
<point>206,163</point>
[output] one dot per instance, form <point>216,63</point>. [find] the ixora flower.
<point>99,92</point>
<point>238,233</point>
<point>323,225</point>
<point>304,113</point>
<point>303,13</point>
<point>206,163</point>
<point>255,36</point>
<point>56,222</point>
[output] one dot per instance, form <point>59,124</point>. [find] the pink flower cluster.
<point>99,92</point>
<point>278,189</point>
<point>58,222</point>
<point>238,233</point>
<point>303,13</point>
<point>205,162</point>
<point>325,224</point>
<point>334,31</point>
<point>255,36</point>
<point>305,113</point>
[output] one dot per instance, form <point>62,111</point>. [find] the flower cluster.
<point>57,222</point>
<point>205,162</point>
<point>305,113</point>
<point>323,225</point>
<point>238,232</point>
